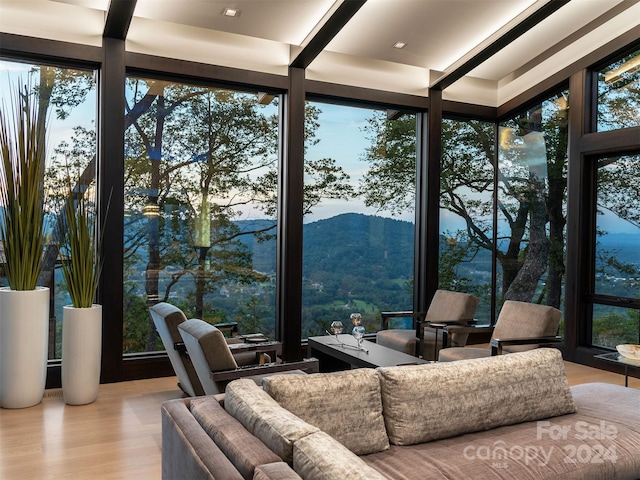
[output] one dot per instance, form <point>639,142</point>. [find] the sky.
<point>13,74</point>
<point>340,136</point>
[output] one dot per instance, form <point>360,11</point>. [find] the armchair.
<point>166,318</point>
<point>422,340</point>
<point>216,366</point>
<point>520,326</point>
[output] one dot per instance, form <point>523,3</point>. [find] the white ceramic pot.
<point>24,335</point>
<point>81,354</point>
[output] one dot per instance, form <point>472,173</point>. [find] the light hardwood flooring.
<point>119,435</point>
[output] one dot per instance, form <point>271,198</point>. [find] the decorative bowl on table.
<point>629,351</point>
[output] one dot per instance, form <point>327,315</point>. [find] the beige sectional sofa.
<point>512,416</point>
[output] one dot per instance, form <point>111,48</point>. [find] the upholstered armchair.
<point>166,318</point>
<point>520,326</point>
<point>422,340</point>
<point>215,364</point>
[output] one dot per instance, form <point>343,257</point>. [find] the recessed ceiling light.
<point>231,12</point>
<point>399,45</point>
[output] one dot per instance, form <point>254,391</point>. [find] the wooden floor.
<point>118,436</point>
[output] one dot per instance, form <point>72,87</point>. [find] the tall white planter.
<point>24,334</point>
<point>81,354</point>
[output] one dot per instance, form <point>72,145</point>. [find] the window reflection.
<point>619,94</point>
<point>466,218</point>
<point>200,206</point>
<point>532,165</point>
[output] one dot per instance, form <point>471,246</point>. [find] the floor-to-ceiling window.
<point>200,206</point>
<point>466,210</point>
<point>360,169</point>
<point>617,255</point>
<point>531,204</point>
<point>617,109</point>
<point>615,288</point>
<point>67,96</point>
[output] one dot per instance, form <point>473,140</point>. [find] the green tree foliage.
<point>391,176</point>
<point>251,316</point>
<point>466,186</point>
<point>613,328</point>
<point>198,160</point>
<point>619,94</point>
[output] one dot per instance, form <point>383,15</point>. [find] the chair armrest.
<point>385,316</point>
<point>309,365</point>
<point>471,321</point>
<point>440,325</point>
<point>256,347</point>
<point>455,328</point>
<point>468,329</point>
<point>498,343</point>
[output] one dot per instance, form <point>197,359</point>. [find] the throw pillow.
<point>321,457</point>
<point>428,402</point>
<point>346,405</point>
<point>263,417</point>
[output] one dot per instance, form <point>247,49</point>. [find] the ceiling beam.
<point>460,69</point>
<point>327,32</point>
<point>119,15</point>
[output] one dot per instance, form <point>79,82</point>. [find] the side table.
<point>615,357</point>
<point>437,326</point>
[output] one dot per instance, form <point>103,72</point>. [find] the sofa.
<point>505,417</point>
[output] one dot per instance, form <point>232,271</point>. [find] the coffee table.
<point>333,356</point>
<point>615,357</point>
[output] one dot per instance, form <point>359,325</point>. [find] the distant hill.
<point>350,243</point>
<point>368,243</point>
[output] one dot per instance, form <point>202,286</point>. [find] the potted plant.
<point>82,321</point>
<point>24,307</point>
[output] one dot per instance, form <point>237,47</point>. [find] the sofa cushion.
<point>346,405</point>
<point>187,450</point>
<point>320,457</point>
<point>277,427</point>
<point>244,450</point>
<point>428,402</point>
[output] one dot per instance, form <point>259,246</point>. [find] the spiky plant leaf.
<point>22,143</point>
<point>79,250</point>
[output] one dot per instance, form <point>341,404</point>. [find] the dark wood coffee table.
<point>333,356</point>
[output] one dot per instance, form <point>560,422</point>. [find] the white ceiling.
<point>267,34</point>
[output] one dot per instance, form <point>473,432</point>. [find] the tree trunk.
<point>200,281</point>
<point>534,266</point>
<point>557,221</point>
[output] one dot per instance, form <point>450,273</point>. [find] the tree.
<point>251,315</point>
<point>527,200</point>
<point>199,159</point>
